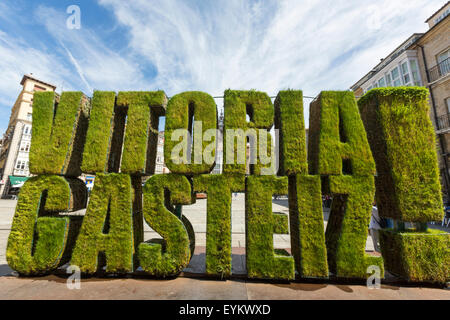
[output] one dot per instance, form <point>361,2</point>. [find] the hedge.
<point>141,133</point>
<point>237,104</point>
<point>161,191</point>
<point>59,132</point>
<point>337,142</point>
<point>40,238</point>
<point>307,230</point>
<point>417,256</point>
<point>97,148</point>
<point>183,111</point>
<point>290,121</point>
<point>261,259</point>
<point>106,236</point>
<point>402,139</point>
<point>347,227</point>
<point>218,223</point>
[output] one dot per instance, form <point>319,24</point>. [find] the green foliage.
<point>347,227</point>
<point>289,120</point>
<point>280,223</point>
<point>98,139</point>
<point>39,236</point>
<point>337,141</point>
<point>181,111</point>
<point>307,231</point>
<point>59,133</point>
<point>218,222</point>
<point>417,256</point>
<point>402,139</point>
<point>161,192</point>
<point>141,133</point>
<point>261,260</point>
<point>107,227</point>
<point>238,104</point>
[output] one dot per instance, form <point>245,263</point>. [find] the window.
<point>27,130</point>
<point>396,77</point>
<point>29,116</point>
<point>443,56</point>
<point>388,80</point>
<point>415,72</point>
<point>381,83</point>
<point>447,101</point>
<point>405,73</point>
<point>25,146</point>
<point>443,62</point>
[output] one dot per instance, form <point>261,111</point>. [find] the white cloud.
<point>17,59</point>
<point>267,45</point>
<point>210,46</point>
<point>97,65</point>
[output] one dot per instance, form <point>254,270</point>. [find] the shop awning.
<point>17,182</point>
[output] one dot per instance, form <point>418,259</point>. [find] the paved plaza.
<point>190,284</point>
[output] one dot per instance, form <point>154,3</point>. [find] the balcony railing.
<point>443,122</point>
<point>440,70</point>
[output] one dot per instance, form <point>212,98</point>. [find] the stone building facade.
<point>14,156</point>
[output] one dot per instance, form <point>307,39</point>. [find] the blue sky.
<point>180,45</point>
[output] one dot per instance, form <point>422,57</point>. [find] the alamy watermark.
<point>252,146</point>
<point>374,280</point>
<point>74,20</point>
<point>74,280</point>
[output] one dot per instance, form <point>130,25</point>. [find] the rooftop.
<point>390,57</point>
<point>437,12</point>
<point>31,77</point>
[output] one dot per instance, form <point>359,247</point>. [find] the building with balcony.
<point>422,60</point>
<point>14,154</point>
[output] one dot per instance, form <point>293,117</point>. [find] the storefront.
<point>14,185</point>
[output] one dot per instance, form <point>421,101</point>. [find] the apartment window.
<point>29,116</point>
<point>25,146</point>
<point>27,130</point>
<point>447,102</point>
<point>443,62</point>
<point>381,83</point>
<point>388,80</point>
<point>396,77</point>
<point>415,72</point>
<point>443,56</point>
<point>405,73</point>
<point>21,165</point>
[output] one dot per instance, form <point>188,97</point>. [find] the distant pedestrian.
<point>374,228</point>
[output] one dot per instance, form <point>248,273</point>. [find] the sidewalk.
<point>188,285</point>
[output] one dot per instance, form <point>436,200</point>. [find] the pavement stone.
<point>189,285</point>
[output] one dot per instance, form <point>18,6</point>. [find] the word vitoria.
<point>380,147</point>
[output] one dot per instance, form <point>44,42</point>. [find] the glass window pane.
<point>395,74</point>
<point>404,68</point>
<point>406,78</point>
<point>381,82</point>
<point>388,79</point>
